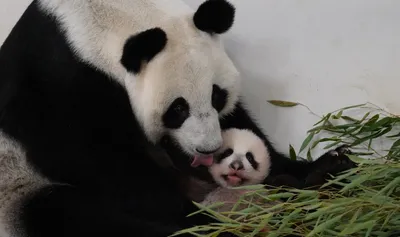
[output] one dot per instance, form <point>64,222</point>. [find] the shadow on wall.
<point>257,86</point>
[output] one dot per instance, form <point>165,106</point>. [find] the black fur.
<point>176,114</point>
<point>219,98</point>
<point>142,47</point>
<point>253,162</point>
<point>224,155</point>
<point>214,16</point>
<point>78,128</point>
<point>330,163</point>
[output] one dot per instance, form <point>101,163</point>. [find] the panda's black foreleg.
<point>330,163</point>
<point>63,211</point>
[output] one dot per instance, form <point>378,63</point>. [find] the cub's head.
<point>242,160</point>
<point>183,79</point>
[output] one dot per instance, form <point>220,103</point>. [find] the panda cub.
<point>242,160</point>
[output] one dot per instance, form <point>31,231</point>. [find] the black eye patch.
<point>224,154</point>
<point>219,98</point>
<point>253,162</point>
<point>176,114</point>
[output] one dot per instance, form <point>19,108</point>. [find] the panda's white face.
<point>184,91</point>
<point>242,160</point>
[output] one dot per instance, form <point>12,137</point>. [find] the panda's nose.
<point>236,165</point>
<point>207,152</point>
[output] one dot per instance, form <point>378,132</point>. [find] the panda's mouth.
<point>234,179</point>
<point>206,160</point>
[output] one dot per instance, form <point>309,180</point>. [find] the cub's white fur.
<point>242,141</point>
<point>189,65</point>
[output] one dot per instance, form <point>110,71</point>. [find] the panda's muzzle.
<point>203,152</point>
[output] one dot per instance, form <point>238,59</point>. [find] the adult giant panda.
<point>88,88</point>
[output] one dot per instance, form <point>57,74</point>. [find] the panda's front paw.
<point>340,151</point>
<point>334,161</point>
<point>331,163</point>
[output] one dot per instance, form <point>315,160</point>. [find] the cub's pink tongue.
<point>202,160</point>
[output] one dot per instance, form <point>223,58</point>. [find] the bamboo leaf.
<point>338,115</point>
<point>319,128</point>
<point>325,140</point>
<point>323,226</point>
<point>394,147</point>
<point>374,135</point>
<point>372,120</point>
<point>381,123</point>
<point>365,117</point>
<point>306,142</point>
<point>348,118</point>
<point>393,183</point>
<point>332,145</point>
<point>396,135</point>
<point>360,160</point>
<point>353,106</point>
<point>292,153</point>
<point>282,103</point>
<point>355,228</point>
<point>309,157</point>
<point>324,119</point>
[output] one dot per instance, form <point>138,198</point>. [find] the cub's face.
<point>242,160</point>
<point>185,81</point>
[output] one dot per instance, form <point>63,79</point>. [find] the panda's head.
<point>242,160</point>
<point>182,79</point>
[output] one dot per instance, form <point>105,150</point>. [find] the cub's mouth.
<point>234,179</point>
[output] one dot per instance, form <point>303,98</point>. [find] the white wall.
<point>325,54</point>
<point>10,12</point>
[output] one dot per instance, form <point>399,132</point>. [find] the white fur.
<point>242,141</point>
<point>17,180</point>
<point>189,65</point>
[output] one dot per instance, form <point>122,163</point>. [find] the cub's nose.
<point>236,165</point>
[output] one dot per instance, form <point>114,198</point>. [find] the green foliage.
<point>366,204</point>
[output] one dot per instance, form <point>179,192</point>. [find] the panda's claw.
<point>343,150</point>
<point>334,153</point>
<point>335,160</point>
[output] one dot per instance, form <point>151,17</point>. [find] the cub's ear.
<point>214,16</point>
<point>142,48</point>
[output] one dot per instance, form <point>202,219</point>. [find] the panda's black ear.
<point>214,16</point>
<point>142,47</point>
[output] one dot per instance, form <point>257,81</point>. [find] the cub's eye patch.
<point>250,158</point>
<point>225,154</point>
